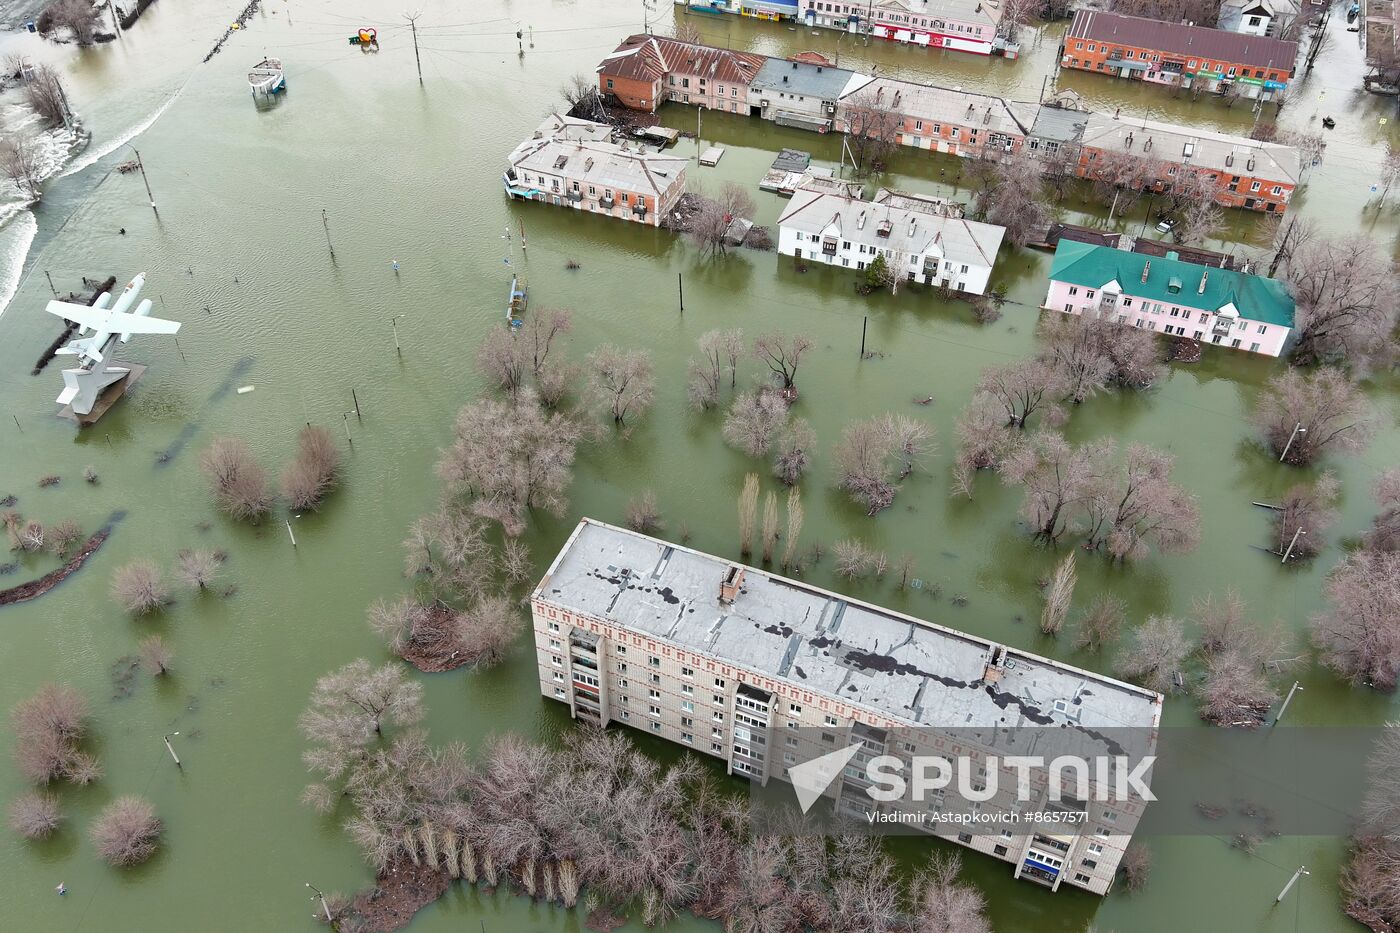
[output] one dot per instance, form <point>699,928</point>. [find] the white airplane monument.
<point>100,330</point>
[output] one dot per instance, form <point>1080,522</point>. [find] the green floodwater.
<point>411,172</point>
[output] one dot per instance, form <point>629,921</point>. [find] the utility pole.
<point>51,285</point>
<point>1289,552</point>
<point>394,323</point>
<point>413,24</point>
<point>144,179</point>
<point>680,290</point>
<point>1297,429</point>
<point>325,223</point>
<point>171,749</point>
<point>1302,870</point>
<point>1286,700</point>
<point>318,894</point>
<point>863,321</point>
<point>289,526</point>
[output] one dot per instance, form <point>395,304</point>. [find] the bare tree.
<point>197,568</point>
<point>1058,596</point>
<point>770,525</point>
<point>1304,416</point>
<point>313,472</point>
<point>19,160</point>
<point>1120,178</point>
<point>755,420</point>
<point>488,631</point>
<point>451,549</point>
<point>77,16</point>
<point>1347,301</point>
<point>508,459</point>
<point>239,481</point>
<point>346,717</point>
<point>1307,511</point>
<point>584,97</point>
<point>795,516</point>
<point>516,566</point>
<point>397,622</point>
<point>748,513</point>
<point>1016,198</point>
<point>61,538</point>
<point>710,228</point>
<point>501,360</point>
<point>1058,479</point>
<point>155,656</point>
<point>1238,654</point>
<point>1022,389</point>
<point>621,382</point>
<point>1371,881</point>
<point>1101,623</point>
<point>1136,865</point>
<point>983,440</point>
<point>49,728</point>
<point>782,353</point>
<point>947,904</point>
<point>127,831</point>
<point>1385,527</point>
<point>874,456</point>
<point>1155,653</point>
<point>872,127</point>
<point>1137,506</point>
<point>1287,238</point>
<point>44,94</point>
<point>35,815</point>
<point>793,452</point>
<point>643,514</point>
<point>719,353</point>
<point>138,588</point>
<point>1359,632</point>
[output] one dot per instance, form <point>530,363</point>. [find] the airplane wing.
<point>111,322</point>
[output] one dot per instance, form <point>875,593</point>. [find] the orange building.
<point>646,71</point>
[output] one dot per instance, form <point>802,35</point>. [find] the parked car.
<point>1165,224</point>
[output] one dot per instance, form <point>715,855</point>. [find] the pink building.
<point>1171,296</point>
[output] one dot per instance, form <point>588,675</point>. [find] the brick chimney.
<point>729,586</point>
<point>1146,267</point>
<point>1205,274</point>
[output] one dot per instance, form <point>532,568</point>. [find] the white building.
<point>923,239</point>
<point>1259,17</point>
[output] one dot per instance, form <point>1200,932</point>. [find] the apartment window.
<point>558,661</point>
<point>845,244</point>
<point>688,706</point>
<point>687,738</point>
<point>797,710</point>
<point>592,191</point>
<point>1073,290</point>
<point>621,649</point>
<point>654,661</point>
<point>610,84</point>
<point>625,701</point>
<point>716,747</point>
<point>829,720</point>
<point>1254,186</point>
<point>907,747</point>
<point>964,837</point>
<point>625,197</point>
<point>656,727</point>
<point>687,721</point>
<point>999,850</point>
<point>789,758</point>
<point>1254,348</point>
<point>1093,47</point>
<point>719,683</point>
<point>1095,848</point>
<point>554,643</point>
<point>654,694</point>
<point>1089,293</point>
<point>1204,317</point>
<point>688,689</point>
<point>717,699</point>
<point>717,732</point>
<point>828,738</point>
<point>791,741</point>
<point>1235,343</point>
<point>1081,877</point>
<point>1101,832</point>
<point>1089,864</point>
<point>656,678</point>
<point>653,711</point>
<point>687,672</point>
<point>1276,190</point>
<point>625,713</point>
<point>622,682</point>
<point>558,691</point>
<point>717,716</point>
<point>552,626</point>
<point>937,128</point>
<point>1191,64</point>
<point>622,667</point>
<point>1197,335</point>
<point>918,124</point>
<point>792,724</point>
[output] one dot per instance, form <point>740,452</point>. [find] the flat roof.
<point>802,78</point>
<point>903,667</point>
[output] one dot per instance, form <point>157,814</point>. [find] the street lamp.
<point>171,749</point>
<point>1290,545</point>
<point>322,898</point>
<point>1297,429</point>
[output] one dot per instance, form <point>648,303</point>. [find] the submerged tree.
<point>755,420</point>
<point>1058,596</point>
<point>709,229</point>
<point>1359,631</point>
<point>35,815</point>
<point>719,357</point>
<point>948,904</point>
<point>1058,478</point>
<point>239,481</point>
<point>874,457</point>
<point>1101,623</point>
<point>1385,527</point>
<point>621,382</point>
<point>793,451</point>
<point>138,587</point>
<point>1307,511</point>
<point>1347,301</point>
<point>49,728</point>
<point>983,441</point>
<point>748,513</point>
<point>1022,389</point>
<point>643,514</point>
<point>1015,199</point>
<point>155,656</point>
<point>1155,654</point>
<point>127,831</point>
<point>1304,416</point>
<point>1137,506</point>
<point>782,353</point>
<point>197,568</point>
<point>873,125</point>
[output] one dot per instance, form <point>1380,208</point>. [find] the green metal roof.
<point>1256,297</point>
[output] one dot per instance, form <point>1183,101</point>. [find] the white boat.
<point>266,76</point>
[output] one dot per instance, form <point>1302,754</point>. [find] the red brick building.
<point>646,71</point>
<point>1178,54</point>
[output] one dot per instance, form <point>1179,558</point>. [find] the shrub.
<point>138,588</point>
<point>312,474</point>
<point>35,815</point>
<point>127,832</point>
<point>239,481</point>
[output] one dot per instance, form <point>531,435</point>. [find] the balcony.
<point>607,202</point>
<point>575,196</point>
<point>829,246</point>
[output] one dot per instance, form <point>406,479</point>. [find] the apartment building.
<point>1171,296</point>
<point>1257,67</point>
<point>645,71</point>
<point>762,672</point>
<point>576,163</point>
<point>922,238</point>
<point>1281,19</point>
<point>771,10</point>
<point>1257,176</point>
<point>957,122</point>
<point>802,92</point>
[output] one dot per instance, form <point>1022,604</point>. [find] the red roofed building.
<point>645,71</point>
<point>1177,54</point>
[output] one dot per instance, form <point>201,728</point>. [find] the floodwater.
<point>410,171</point>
